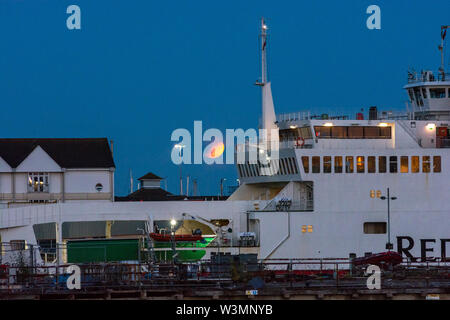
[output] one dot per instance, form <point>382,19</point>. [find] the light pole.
<point>173,223</point>
<point>180,150</point>
<point>389,245</point>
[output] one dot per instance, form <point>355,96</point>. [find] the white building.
<point>55,170</point>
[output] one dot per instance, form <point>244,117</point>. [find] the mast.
<point>263,36</point>
<point>268,110</point>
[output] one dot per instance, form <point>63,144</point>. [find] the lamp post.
<point>389,245</point>
<point>180,150</point>
<point>173,223</point>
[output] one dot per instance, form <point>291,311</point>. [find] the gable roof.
<point>150,176</point>
<point>68,153</point>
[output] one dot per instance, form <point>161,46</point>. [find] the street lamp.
<point>173,223</point>
<point>180,150</point>
<point>389,245</point>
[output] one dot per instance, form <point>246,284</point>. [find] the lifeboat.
<point>178,237</point>
<point>380,259</point>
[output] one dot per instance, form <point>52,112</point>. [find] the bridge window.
<point>374,227</point>
<point>305,161</point>
<point>371,165</point>
<point>382,164</point>
<point>327,164</point>
<point>339,132</point>
<point>437,93</point>
<point>437,164</point>
<point>424,93</point>
<point>404,164</point>
<point>415,164</point>
<point>349,166</point>
<point>356,132</point>
<point>323,132</point>
<point>426,164</point>
<point>393,164</point>
<point>338,164</point>
<point>316,164</point>
<point>360,164</point>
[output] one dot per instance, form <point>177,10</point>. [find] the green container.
<point>107,250</point>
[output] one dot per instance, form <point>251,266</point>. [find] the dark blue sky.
<point>137,70</point>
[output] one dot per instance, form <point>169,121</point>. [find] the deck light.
<point>431,126</point>
<point>293,127</point>
<point>382,124</point>
<point>173,222</point>
<point>328,124</point>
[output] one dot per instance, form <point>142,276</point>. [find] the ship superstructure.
<point>325,195</point>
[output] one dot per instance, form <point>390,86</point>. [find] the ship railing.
<point>293,116</point>
<point>428,77</point>
<point>289,205</point>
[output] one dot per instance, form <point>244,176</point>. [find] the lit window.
<point>349,166</point>
<point>315,164</point>
<point>38,182</point>
<point>305,161</point>
<point>378,193</point>
<point>310,228</point>
<point>415,164</point>
<point>382,164</point>
<point>437,164</point>
<point>372,193</point>
<point>327,164</point>
<point>338,164</point>
<point>426,164</point>
<point>404,164</point>
<point>371,164</point>
<point>307,228</point>
<point>393,164</point>
<point>360,164</point>
<point>374,227</point>
<point>303,229</point>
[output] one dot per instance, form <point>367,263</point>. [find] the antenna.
<point>441,49</point>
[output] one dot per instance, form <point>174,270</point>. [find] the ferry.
<point>343,187</point>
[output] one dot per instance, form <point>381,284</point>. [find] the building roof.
<point>150,176</point>
<point>158,194</point>
<point>67,153</point>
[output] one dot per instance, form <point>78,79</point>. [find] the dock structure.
<point>210,281</point>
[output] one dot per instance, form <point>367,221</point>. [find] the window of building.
<point>338,164</point>
<point>315,164</point>
<point>374,227</point>
<point>426,164</point>
<point>415,164</point>
<point>349,166</point>
<point>327,164</point>
<point>356,132</point>
<point>305,161</point>
<point>437,93</point>
<point>437,164</point>
<point>371,165</point>
<point>382,164</point>
<point>392,164</point>
<point>360,164</point>
<point>38,182</point>
<point>18,244</point>
<point>404,164</point>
